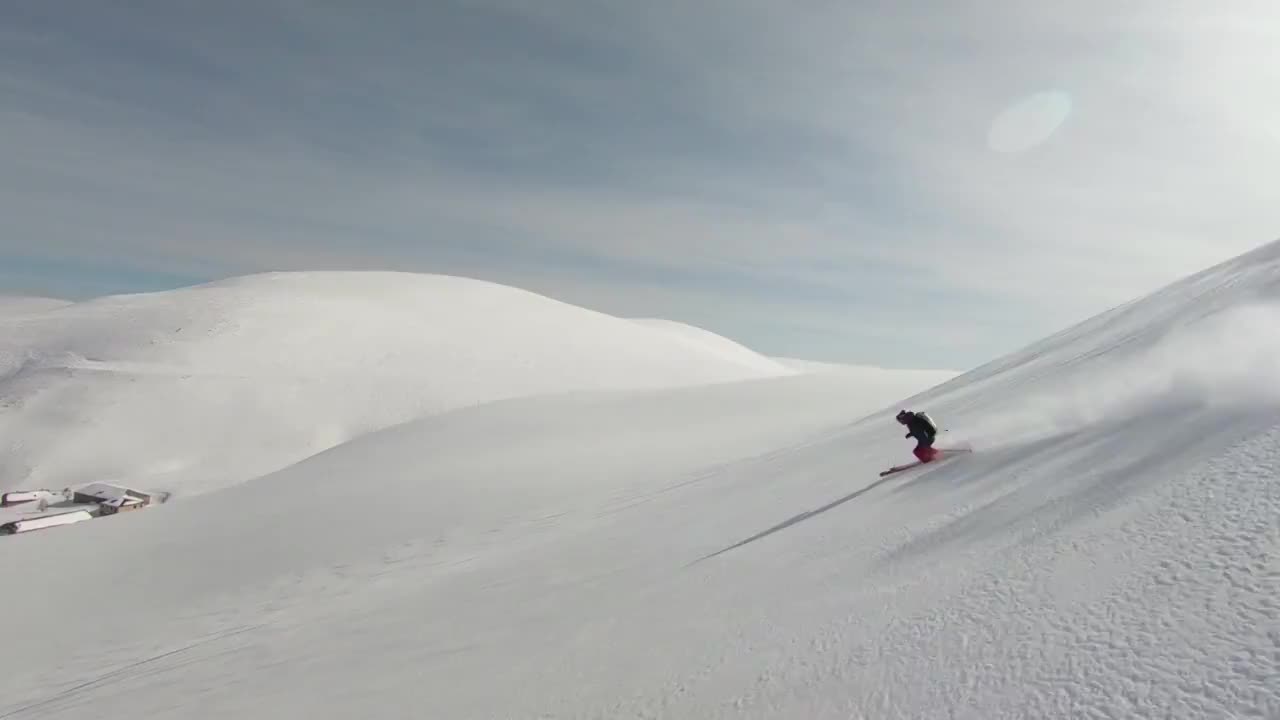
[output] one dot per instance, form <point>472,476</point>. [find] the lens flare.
<point>1029,122</point>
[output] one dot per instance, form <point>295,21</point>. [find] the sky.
<point>905,184</point>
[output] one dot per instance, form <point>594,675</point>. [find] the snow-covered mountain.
<point>719,550</point>
<point>208,386</point>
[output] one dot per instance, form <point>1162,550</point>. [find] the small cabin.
<point>112,498</point>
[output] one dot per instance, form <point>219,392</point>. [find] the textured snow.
<point>722,551</point>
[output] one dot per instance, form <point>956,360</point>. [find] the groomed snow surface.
<point>481,503</point>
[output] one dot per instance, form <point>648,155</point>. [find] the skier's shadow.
<point>797,519</point>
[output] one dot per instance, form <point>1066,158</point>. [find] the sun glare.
<point>1029,122</point>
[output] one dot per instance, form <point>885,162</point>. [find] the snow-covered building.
<point>112,499</point>
<point>40,522</point>
<point>22,497</point>
<point>28,510</point>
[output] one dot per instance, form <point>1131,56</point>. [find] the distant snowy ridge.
<point>22,304</point>
<point>729,349</point>
<point>717,345</point>
<point>811,365</point>
<point>206,386</point>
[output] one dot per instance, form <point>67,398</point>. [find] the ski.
<point>898,469</point>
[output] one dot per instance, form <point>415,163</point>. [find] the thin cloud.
<point>840,182</point>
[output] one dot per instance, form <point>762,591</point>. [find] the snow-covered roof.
<point>107,491</point>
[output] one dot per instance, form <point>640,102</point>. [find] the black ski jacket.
<point>918,428</point>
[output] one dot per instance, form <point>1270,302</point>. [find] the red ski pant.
<point>925,454</point>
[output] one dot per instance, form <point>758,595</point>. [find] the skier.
<point>924,430</point>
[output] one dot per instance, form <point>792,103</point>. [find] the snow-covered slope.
<point>1208,342</point>
<point>722,551</point>
<point>207,386</point>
